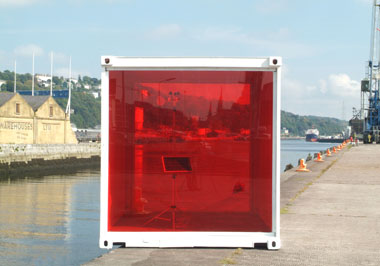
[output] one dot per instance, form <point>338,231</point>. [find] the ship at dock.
<point>312,134</point>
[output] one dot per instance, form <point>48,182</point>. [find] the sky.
<point>324,44</point>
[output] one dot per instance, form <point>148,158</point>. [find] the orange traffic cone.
<point>337,148</point>
<point>302,167</point>
<point>319,158</point>
<point>328,153</point>
<point>334,150</point>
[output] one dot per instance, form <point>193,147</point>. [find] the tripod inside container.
<point>173,166</point>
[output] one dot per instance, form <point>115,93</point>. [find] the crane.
<point>370,101</point>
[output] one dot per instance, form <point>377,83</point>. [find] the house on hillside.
<point>2,82</point>
<point>33,120</point>
<point>43,80</point>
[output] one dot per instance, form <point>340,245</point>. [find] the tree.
<point>87,109</point>
<point>9,86</point>
<point>57,81</point>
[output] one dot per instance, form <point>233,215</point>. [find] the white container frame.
<point>191,239</point>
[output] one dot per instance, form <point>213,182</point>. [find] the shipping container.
<point>190,152</point>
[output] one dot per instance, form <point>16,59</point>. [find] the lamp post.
<point>159,97</point>
<point>33,76</point>
<point>14,87</point>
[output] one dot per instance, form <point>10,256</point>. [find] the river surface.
<point>293,150</point>
<point>54,220</point>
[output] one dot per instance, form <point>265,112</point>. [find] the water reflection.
<point>51,220</point>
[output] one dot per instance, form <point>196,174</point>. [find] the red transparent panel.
<point>190,151</point>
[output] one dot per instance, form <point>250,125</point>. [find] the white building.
<point>284,131</point>
<point>2,82</point>
<point>41,78</point>
<point>75,81</point>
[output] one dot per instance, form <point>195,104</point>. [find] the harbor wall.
<point>18,160</point>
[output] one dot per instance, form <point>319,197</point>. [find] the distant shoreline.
<point>291,138</point>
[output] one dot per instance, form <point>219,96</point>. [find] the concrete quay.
<point>329,216</point>
<point>25,152</point>
<point>19,160</point>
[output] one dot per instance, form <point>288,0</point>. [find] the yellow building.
<point>33,119</point>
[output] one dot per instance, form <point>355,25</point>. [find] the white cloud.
<point>28,50</point>
<point>324,98</point>
<point>165,31</point>
<point>342,85</point>
<point>335,85</point>
<point>323,86</point>
<point>18,3</point>
<point>272,43</point>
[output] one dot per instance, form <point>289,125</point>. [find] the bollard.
<point>302,167</point>
<point>319,159</point>
<point>334,150</point>
<point>328,153</point>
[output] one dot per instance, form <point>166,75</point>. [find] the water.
<point>293,150</point>
<point>53,220</point>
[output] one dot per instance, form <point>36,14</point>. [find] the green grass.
<point>227,261</point>
<point>231,259</point>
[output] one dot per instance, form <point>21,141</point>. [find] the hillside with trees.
<point>86,109</point>
<point>297,124</point>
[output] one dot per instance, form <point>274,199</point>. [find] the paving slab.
<point>329,216</point>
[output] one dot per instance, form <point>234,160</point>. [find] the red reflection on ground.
<point>190,151</point>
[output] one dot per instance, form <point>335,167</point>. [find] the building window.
<point>17,108</point>
<point>51,111</point>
